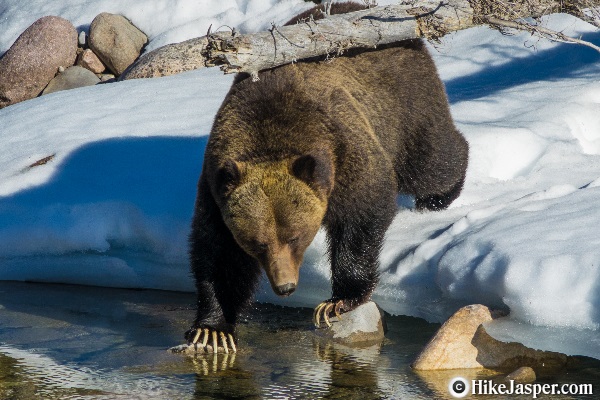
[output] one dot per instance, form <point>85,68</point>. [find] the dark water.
<point>72,342</point>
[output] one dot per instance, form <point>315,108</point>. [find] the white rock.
<point>362,326</point>
<point>81,38</point>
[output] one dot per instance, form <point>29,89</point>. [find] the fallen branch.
<point>540,31</point>
<point>370,28</point>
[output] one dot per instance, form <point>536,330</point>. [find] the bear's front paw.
<point>210,340</point>
<point>327,309</point>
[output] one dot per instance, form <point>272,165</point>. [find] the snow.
<point>113,206</point>
<point>163,21</point>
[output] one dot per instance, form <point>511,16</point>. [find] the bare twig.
<point>540,31</point>
<point>328,7</point>
<point>589,12</point>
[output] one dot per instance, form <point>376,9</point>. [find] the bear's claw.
<point>325,309</point>
<point>208,334</point>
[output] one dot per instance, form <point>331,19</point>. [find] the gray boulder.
<point>72,78</point>
<point>116,41</point>
<point>33,60</point>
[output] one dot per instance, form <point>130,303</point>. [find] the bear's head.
<point>274,210</point>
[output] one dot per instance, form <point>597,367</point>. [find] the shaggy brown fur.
<point>311,144</point>
<point>318,12</point>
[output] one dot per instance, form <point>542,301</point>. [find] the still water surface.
<point>74,342</point>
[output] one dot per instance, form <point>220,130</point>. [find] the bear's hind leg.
<point>435,170</point>
<point>441,201</point>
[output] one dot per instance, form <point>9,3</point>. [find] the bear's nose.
<point>286,290</point>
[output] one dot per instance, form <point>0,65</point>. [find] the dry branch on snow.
<point>430,19</point>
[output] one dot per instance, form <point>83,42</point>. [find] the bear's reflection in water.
<point>329,371</point>
<point>281,358</point>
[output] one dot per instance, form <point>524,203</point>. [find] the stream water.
<point>75,342</point>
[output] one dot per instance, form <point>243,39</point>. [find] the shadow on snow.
<point>157,174</point>
<point>562,61</point>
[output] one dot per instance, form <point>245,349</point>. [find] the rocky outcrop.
<point>116,41</point>
<point>462,342</point>
<point>35,57</point>
<point>73,77</point>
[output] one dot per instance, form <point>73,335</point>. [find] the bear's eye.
<point>261,247</point>
<point>293,240</point>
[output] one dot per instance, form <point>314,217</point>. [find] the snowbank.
<point>163,21</point>
<point>113,206</point>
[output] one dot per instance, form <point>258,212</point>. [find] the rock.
<point>363,326</point>
<point>81,39</point>
<point>72,78</point>
<point>451,346</point>
<point>106,78</point>
<point>116,41</point>
<point>462,342</point>
<point>183,349</point>
<point>495,354</point>
<point>522,375</point>
<point>34,58</point>
<point>87,59</point>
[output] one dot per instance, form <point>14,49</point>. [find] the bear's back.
<point>393,93</point>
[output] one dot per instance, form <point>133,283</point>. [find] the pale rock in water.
<point>116,41</point>
<point>462,342</point>
<point>34,58</point>
<point>451,347</point>
<point>362,326</point>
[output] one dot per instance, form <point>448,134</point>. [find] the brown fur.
<point>318,12</point>
<point>388,105</point>
<point>273,217</point>
<point>311,144</point>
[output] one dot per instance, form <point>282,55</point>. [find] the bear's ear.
<point>228,177</point>
<point>316,170</point>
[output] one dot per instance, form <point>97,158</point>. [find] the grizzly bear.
<point>319,143</point>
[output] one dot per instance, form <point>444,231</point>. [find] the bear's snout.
<point>282,270</point>
<point>285,290</point>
